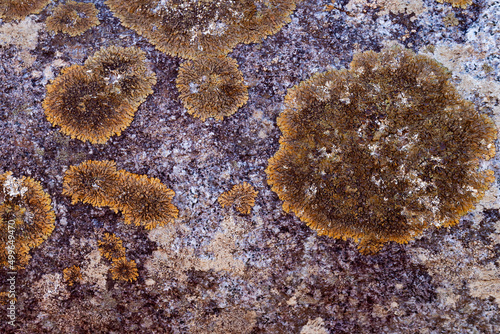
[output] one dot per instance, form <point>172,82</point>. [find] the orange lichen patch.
<point>73,18</point>
<point>124,270</point>
<point>142,200</point>
<point>193,28</point>
<point>92,182</point>
<point>241,196</point>
<point>111,247</point>
<point>72,275</point>
<point>26,219</point>
<point>381,151</point>
<point>98,100</point>
<point>457,3</point>
<point>211,87</point>
<point>148,202</point>
<point>124,71</point>
<point>19,9</point>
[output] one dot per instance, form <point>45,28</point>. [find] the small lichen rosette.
<point>381,151</point>
<point>211,87</point>
<point>192,28</point>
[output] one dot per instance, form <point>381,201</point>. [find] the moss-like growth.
<point>98,100</point>
<point>241,196</point>
<point>19,9</point>
<point>381,151</point>
<point>73,18</point>
<point>124,270</point>
<point>26,219</point>
<point>72,275</point>
<point>211,87</point>
<point>142,200</point>
<point>193,28</point>
<point>111,247</point>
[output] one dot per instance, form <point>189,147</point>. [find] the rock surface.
<point>216,270</point>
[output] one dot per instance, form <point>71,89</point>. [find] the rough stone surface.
<point>215,270</point>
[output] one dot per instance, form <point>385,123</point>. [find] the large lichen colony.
<point>381,151</point>
<point>192,28</point>
<point>26,219</point>
<point>142,200</point>
<point>99,99</point>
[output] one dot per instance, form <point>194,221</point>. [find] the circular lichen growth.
<point>380,151</point>
<point>211,87</point>
<point>73,18</point>
<point>98,100</point>
<point>26,219</point>
<point>192,28</point>
<point>72,275</point>
<point>241,196</point>
<point>19,9</point>
<point>124,270</point>
<point>111,247</point>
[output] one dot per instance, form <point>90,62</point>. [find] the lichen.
<point>124,270</point>
<point>381,151</point>
<point>111,247</point>
<point>142,200</point>
<point>457,3</point>
<point>192,28</point>
<point>18,10</point>
<point>72,275</point>
<point>98,100</point>
<point>26,219</point>
<point>241,196</point>
<point>211,87</point>
<point>73,18</point>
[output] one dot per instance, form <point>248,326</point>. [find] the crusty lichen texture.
<point>26,219</point>
<point>241,196</point>
<point>111,247</point>
<point>192,28</point>
<point>143,201</point>
<point>211,87</point>
<point>381,151</point>
<point>73,18</point>
<point>19,9</point>
<point>99,99</point>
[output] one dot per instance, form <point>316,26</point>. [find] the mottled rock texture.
<point>216,270</point>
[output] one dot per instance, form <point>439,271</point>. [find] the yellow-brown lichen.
<point>98,100</point>
<point>124,270</point>
<point>380,151</point>
<point>142,200</point>
<point>111,247</point>
<point>26,219</point>
<point>92,182</point>
<point>457,3</point>
<point>211,87</point>
<point>125,72</point>
<point>73,18</point>
<point>147,201</point>
<point>192,28</point>
<point>19,9</point>
<point>72,275</point>
<point>241,196</point>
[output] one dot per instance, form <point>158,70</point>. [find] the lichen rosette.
<point>381,151</point>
